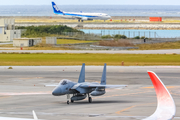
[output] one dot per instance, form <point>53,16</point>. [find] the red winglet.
<point>166,108</point>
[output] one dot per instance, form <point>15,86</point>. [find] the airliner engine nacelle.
<point>97,93</point>
<point>78,97</point>
<point>85,18</point>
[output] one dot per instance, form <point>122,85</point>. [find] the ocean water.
<point>113,10</point>
<point>133,33</point>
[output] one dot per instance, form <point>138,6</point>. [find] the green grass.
<point>89,59</point>
<point>68,41</point>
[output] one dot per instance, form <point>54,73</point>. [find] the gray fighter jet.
<point>82,89</point>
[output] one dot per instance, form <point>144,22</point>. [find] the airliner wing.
<point>105,86</point>
<point>166,108</point>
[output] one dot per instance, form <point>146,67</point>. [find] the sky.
<point>91,2</point>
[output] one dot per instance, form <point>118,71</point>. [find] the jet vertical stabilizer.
<point>82,74</point>
<point>103,79</point>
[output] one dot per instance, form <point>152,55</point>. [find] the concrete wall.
<point>51,40</point>
<point>111,25</point>
<point>17,43</point>
<point>26,42</point>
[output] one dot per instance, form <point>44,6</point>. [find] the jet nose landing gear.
<point>68,97</point>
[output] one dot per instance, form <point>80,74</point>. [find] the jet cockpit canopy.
<point>64,82</point>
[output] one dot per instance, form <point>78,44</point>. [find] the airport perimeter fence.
<point>80,35</point>
<point>97,36</point>
<point>130,34</point>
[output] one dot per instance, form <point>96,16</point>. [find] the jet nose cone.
<point>56,92</point>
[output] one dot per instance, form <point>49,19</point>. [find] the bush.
<point>137,37</point>
<point>120,36</point>
<point>143,37</point>
<point>106,36</point>
<point>10,68</point>
<point>42,31</point>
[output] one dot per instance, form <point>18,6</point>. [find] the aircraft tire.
<point>90,100</point>
<point>72,101</point>
<point>68,102</point>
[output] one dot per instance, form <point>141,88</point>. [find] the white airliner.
<point>80,16</point>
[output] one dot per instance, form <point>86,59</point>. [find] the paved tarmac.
<point>170,51</point>
<point>22,90</point>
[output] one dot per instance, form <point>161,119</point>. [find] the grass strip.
<point>90,59</point>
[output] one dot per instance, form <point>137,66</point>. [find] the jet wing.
<point>55,85</point>
<point>103,86</point>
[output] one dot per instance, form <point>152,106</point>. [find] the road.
<point>170,51</point>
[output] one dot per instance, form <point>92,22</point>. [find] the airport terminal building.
<point>7,30</point>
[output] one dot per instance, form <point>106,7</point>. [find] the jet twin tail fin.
<point>82,74</point>
<point>103,79</point>
<point>56,9</point>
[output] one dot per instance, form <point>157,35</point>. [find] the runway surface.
<point>170,51</point>
<point>22,90</point>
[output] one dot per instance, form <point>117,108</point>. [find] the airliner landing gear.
<point>68,97</point>
<point>89,99</point>
<point>82,20</point>
<point>79,20</point>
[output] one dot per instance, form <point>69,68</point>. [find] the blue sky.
<point>91,2</point>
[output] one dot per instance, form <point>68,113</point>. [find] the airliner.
<point>79,15</point>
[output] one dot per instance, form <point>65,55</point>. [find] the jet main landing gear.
<point>89,99</point>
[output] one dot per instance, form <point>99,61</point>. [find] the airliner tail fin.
<point>56,9</point>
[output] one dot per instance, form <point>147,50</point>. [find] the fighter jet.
<point>81,89</point>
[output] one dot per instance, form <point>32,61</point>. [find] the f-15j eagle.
<point>81,89</point>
